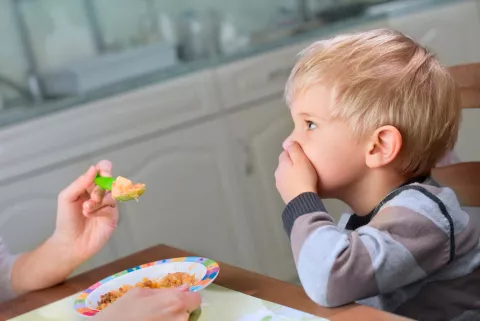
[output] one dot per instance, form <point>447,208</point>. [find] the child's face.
<point>338,156</point>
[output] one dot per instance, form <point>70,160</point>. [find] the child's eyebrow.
<point>309,115</point>
<point>316,117</point>
<point>305,114</point>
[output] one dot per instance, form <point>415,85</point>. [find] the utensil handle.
<point>104,182</point>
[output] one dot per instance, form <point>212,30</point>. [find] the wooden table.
<point>234,278</point>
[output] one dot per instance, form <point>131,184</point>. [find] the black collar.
<point>356,221</point>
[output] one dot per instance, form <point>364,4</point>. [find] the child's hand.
<point>87,215</point>
<point>295,174</point>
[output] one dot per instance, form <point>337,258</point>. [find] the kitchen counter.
<point>13,115</point>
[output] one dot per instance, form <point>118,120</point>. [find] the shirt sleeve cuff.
<point>305,203</point>
<point>7,260</point>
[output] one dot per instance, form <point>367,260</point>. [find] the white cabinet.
<point>190,198</point>
<point>75,132</point>
<point>28,210</point>
<point>261,76</point>
<point>451,30</point>
<point>42,156</point>
<point>28,207</point>
<point>257,135</point>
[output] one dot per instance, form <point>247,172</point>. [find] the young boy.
<point>373,113</point>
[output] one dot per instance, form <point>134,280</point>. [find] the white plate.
<point>205,270</point>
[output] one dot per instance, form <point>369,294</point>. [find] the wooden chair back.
<point>464,178</point>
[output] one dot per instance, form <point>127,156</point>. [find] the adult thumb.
<point>79,186</point>
<point>192,300</point>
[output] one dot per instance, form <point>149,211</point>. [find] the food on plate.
<point>124,190</point>
<point>172,280</point>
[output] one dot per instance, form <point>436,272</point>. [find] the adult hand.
<point>87,216</point>
<point>144,304</point>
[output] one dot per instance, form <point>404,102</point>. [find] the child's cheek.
<point>314,156</point>
<point>310,151</point>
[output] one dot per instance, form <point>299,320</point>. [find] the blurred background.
<point>185,96</point>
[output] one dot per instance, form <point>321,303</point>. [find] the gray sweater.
<point>413,255</point>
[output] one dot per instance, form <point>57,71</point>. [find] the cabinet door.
<point>451,30</point>
<point>190,195</point>
<point>28,209</point>
<point>257,137</point>
<point>258,134</point>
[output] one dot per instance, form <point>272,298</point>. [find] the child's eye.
<point>311,125</point>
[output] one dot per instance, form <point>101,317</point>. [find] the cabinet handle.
<point>249,161</point>
<point>249,168</point>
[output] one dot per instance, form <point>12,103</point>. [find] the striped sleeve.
<point>398,247</point>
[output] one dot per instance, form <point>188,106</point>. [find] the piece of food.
<point>172,280</point>
<point>124,190</point>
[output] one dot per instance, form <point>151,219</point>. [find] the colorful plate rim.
<point>80,304</point>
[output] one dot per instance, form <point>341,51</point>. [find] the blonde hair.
<point>382,77</point>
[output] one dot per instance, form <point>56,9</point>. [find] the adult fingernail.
<point>105,164</point>
<point>88,206</point>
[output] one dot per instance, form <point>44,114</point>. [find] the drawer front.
<point>251,79</point>
<point>105,123</point>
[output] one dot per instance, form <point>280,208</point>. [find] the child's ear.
<point>383,146</point>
